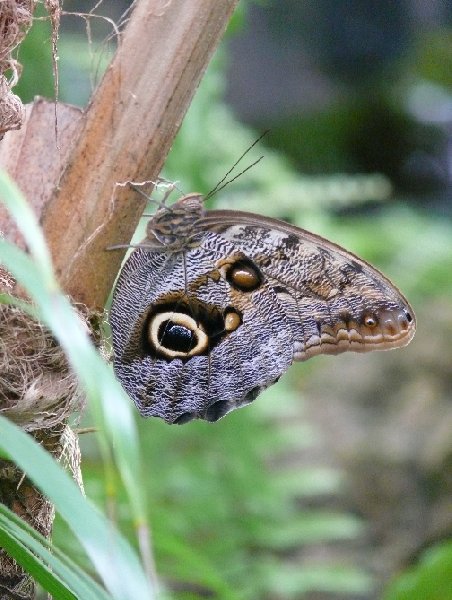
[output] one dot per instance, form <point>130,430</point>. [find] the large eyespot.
<point>243,275</point>
<point>179,326</point>
<point>176,334</point>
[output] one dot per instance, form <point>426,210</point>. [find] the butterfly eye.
<point>244,276</point>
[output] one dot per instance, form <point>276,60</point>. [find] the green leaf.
<point>294,582</point>
<point>115,561</point>
<point>109,404</point>
<point>60,576</point>
<point>431,579</point>
<point>310,527</point>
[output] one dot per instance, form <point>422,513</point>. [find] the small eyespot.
<point>370,321</point>
<point>409,318</point>
<point>232,320</point>
<point>244,276</point>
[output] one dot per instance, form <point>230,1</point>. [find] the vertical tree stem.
<point>125,135</point>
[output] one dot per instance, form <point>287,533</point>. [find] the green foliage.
<point>225,503</point>
<point>203,153</point>
<point>430,579</point>
<point>433,57</point>
<point>55,571</point>
<point>35,55</point>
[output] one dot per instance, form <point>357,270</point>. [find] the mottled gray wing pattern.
<point>232,372</point>
<point>334,301</point>
<point>216,313</point>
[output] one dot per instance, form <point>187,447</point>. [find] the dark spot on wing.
<point>357,267</point>
<point>216,411</point>
<point>280,289</point>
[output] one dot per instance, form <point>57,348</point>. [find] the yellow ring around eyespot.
<point>180,319</point>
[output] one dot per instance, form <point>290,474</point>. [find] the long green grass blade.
<point>57,574</point>
<point>107,400</point>
<point>114,559</point>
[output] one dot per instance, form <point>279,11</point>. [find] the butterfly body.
<point>214,306</point>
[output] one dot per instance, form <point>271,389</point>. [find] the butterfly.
<point>214,306</point>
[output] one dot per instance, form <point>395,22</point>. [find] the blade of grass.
<point>111,409</point>
<point>60,576</point>
<point>113,557</point>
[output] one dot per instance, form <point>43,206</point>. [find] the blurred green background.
<point>336,483</point>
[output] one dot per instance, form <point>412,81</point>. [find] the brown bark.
<point>20,495</point>
<point>33,159</point>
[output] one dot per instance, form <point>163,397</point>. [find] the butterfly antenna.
<point>222,183</point>
<point>236,177</point>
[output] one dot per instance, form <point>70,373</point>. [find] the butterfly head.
<point>177,227</point>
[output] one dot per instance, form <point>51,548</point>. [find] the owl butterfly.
<point>214,306</point>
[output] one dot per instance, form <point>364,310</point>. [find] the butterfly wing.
<point>201,331</point>
<point>248,343</point>
<point>335,301</point>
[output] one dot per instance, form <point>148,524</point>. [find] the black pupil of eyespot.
<point>176,337</point>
